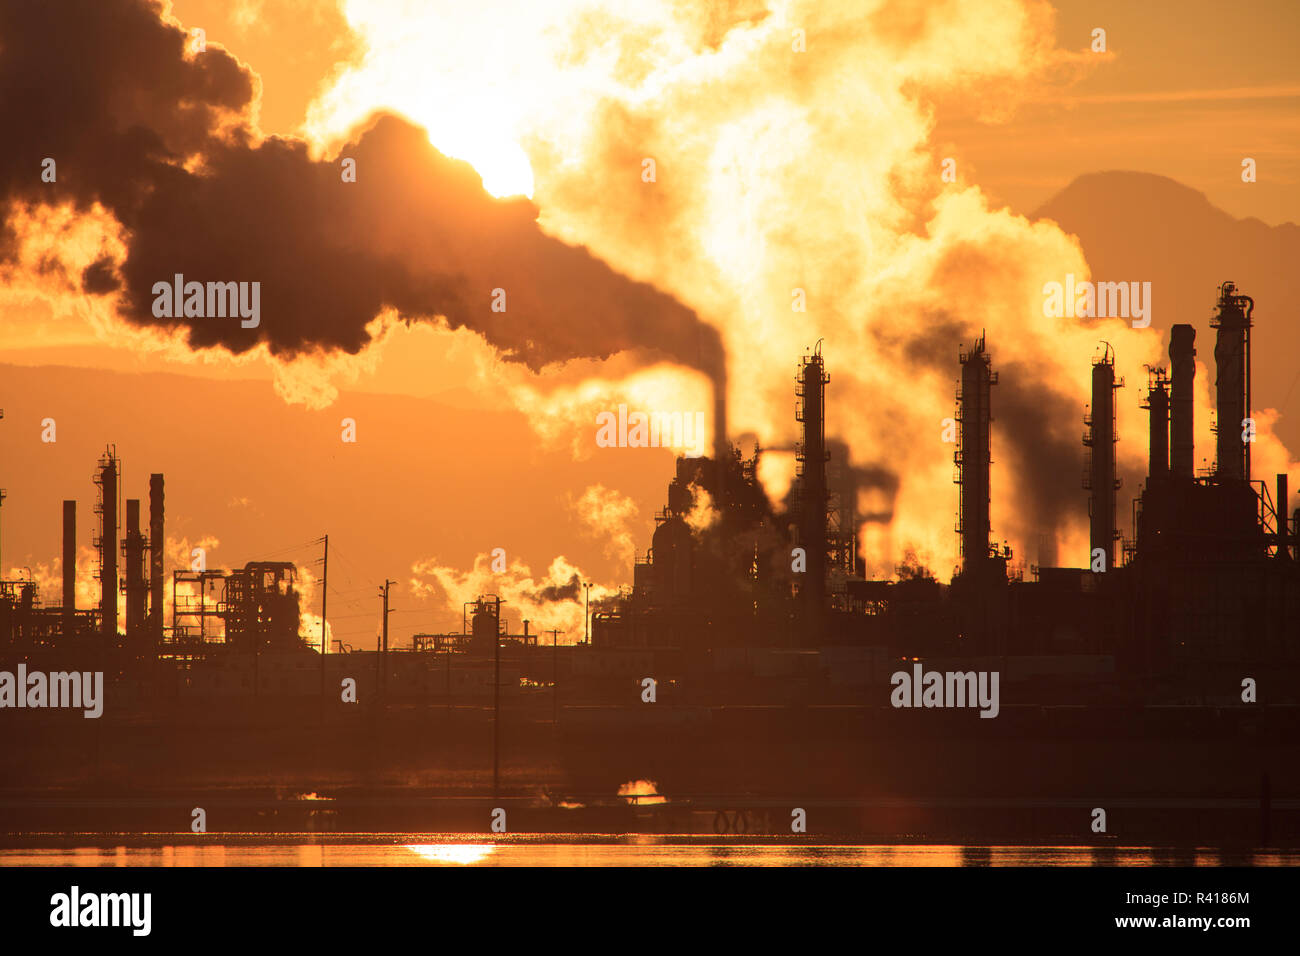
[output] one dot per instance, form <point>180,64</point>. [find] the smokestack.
<point>720,423</point>
<point>133,550</point>
<point>107,544</point>
<point>69,567</point>
<point>1158,447</point>
<point>973,456</point>
<point>813,495</point>
<point>1232,385</point>
<point>1283,532</point>
<point>156,560</point>
<point>1182,366</point>
<point>1101,476</point>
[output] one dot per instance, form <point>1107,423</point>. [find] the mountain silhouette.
<point>1142,227</point>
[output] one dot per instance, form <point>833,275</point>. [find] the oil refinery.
<point>750,660</point>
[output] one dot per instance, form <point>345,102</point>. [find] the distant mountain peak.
<point>1131,190</point>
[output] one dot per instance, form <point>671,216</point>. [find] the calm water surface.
<point>446,849</point>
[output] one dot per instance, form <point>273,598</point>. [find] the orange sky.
<point>1190,89</point>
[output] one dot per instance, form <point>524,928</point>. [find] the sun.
<point>505,172</point>
<point>494,154</point>
<point>475,86</point>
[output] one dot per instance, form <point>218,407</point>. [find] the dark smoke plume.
<point>163,141</point>
<point>558,592</point>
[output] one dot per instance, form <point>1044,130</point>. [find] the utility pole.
<point>324,596</point>
<point>387,584</point>
<point>587,616</point>
<point>555,678</point>
<point>496,711</point>
<point>383,655</point>
<point>324,638</point>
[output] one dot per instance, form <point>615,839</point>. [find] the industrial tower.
<point>1099,475</point>
<point>973,458</point>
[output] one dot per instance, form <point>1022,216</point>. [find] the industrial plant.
<point>751,622</point>
<point>1209,579</point>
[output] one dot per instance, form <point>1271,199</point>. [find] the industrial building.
<point>1211,575</point>
<point>749,660</point>
<point>1209,578</point>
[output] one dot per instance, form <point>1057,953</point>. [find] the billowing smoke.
<point>798,196</point>
<point>609,516</point>
<point>162,139</point>
<point>553,599</point>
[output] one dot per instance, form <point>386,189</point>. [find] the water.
<point>594,850</point>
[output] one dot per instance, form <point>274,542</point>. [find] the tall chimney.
<point>156,540</point>
<point>1182,366</point>
<point>1101,477</point>
<point>107,543</point>
<point>69,567</point>
<point>1157,402</point>
<point>1283,532</point>
<point>719,422</point>
<point>973,456</point>
<point>813,495</point>
<point>1232,385</point>
<point>133,550</point>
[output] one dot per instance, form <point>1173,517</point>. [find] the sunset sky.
<point>795,146</point>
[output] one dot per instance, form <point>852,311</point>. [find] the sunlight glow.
<point>453,852</point>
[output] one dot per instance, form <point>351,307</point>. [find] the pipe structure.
<point>1157,402</point>
<point>974,456</point>
<point>1283,532</point>
<point>133,552</point>
<point>107,482</point>
<point>156,541</point>
<point>1182,365</point>
<point>69,567</point>
<point>1232,383</point>
<point>812,457</point>
<point>1102,482</point>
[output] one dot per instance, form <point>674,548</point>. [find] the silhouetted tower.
<point>485,623</point>
<point>136,590</point>
<point>69,567</point>
<point>1232,386</point>
<point>1100,440</point>
<point>1182,367</point>
<point>1157,402</point>
<point>973,456</point>
<point>811,457</point>
<point>720,444</point>
<point>1280,517</point>
<point>106,542</point>
<point>155,621</point>
<point>843,557</point>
